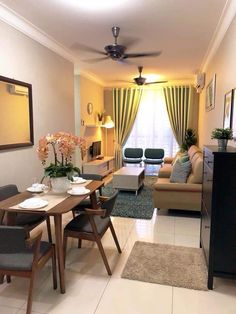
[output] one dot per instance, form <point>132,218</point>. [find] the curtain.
<point>125,106</point>
<point>179,102</point>
<point>152,127</point>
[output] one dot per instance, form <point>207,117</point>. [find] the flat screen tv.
<point>95,149</point>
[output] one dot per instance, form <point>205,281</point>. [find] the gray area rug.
<point>132,206</point>
<point>165,264</point>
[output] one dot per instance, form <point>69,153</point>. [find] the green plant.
<point>189,139</point>
<point>219,133</point>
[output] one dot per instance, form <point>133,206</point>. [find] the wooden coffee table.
<point>128,178</point>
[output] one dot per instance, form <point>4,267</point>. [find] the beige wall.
<point>223,65</point>
<point>90,92</point>
<point>51,77</point>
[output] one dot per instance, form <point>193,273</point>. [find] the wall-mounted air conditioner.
<point>18,90</point>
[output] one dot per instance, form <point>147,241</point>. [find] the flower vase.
<point>222,144</point>
<point>60,184</point>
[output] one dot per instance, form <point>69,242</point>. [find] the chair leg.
<point>79,243</point>
<point>8,278</point>
<point>100,247</point>
<point>115,237</point>
<point>30,295</point>
<point>49,229</point>
<point>54,268</point>
<point>1,279</point>
<point>73,213</point>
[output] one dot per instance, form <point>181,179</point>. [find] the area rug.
<point>132,206</point>
<point>165,264</point>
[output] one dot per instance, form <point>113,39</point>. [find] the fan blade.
<point>86,48</point>
<point>96,59</point>
<point>142,54</point>
<point>128,42</point>
<point>156,82</point>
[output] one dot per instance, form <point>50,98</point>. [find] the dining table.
<point>65,205</point>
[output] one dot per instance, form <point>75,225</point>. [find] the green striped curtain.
<point>125,107</point>
<point>179,102</point>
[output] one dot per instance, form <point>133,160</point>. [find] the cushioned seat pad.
<point>153,161</point>
<point>81,223</point>
<point>21,261</point>
<point>132,160</point>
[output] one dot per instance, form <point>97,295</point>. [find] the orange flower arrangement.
<point>63,146</point>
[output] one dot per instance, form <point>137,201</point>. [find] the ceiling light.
<point>152,77</point>
<point>95,5</point>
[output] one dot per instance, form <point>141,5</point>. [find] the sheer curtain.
<point>152,127</point>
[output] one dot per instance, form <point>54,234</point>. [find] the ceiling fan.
<point>142,80</point>
<point>115,51</point>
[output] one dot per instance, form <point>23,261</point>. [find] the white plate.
<point>79,181</point>
<point>33,203</point>
<point>34,190</point>
<point>71,192</point>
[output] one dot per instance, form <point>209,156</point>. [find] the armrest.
<point>168,160</point>
<point>103,199</point>
<point>180,187</point>
<point>91,211</point>
<point>36,237</point>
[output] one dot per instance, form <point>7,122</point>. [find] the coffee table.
<point>128,178</point>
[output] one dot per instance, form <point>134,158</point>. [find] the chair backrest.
<point>12,240</point>
<point>108,205</point>
<point>154,153</point>
<point>7,191</point>
<point>133,152</point>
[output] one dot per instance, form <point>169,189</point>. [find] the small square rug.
<point>166,264</point>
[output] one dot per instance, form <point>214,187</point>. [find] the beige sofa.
<point>185,196</point>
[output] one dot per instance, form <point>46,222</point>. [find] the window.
<point>152,127</point>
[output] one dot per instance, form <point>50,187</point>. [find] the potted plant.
<point>222,135</point>
<point>189,139</point>
<point>61,170</point>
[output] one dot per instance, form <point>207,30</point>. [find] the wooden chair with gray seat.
<point>86,203</point>
<point>22,256</point>
<point>26,220</point>
<point>91,225</point>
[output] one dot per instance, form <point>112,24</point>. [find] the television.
<point>95,149</point>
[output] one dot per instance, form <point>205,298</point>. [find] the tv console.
<point>100,166</point>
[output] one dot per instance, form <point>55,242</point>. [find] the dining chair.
<point>23,256</point>
<point>133,156</point>
<point>26,220</point>
<point>86,203</point>
<point>91,225</point>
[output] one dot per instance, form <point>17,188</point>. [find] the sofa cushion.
<point>165,171</point>
<point>193,150</point>
<point>197,169</point>
<point>180,172</point>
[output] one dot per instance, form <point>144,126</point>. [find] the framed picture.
<point>210,94</point>
<point>228,110</point>
<point>233,113</point>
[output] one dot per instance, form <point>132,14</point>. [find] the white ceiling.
<point>181,29</point>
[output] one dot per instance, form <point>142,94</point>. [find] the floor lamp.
<point>108,124</point>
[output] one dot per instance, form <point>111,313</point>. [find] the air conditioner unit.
<point>18,90</point>
<point>200,82</point>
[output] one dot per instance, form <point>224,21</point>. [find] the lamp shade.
<point>108,123</point>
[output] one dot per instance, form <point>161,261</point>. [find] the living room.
<point>61,94</point>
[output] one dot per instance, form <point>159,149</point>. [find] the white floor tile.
<point>221,300</point>
<point>187,226</point>
<point>190,241</point>
<point>124,296</point>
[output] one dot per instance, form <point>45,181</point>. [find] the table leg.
<point>59,250</point>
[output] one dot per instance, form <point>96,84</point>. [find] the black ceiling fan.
<point>142,80</point>
<point>115,51</point>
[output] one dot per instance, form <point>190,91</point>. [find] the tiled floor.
<point>91,290</point>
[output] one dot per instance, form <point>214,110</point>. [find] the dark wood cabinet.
<point>218,214</point>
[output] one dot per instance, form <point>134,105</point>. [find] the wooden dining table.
<point>66,205</point>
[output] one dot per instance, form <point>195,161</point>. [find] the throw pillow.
<point>180,172</point>
<point>184,159</point>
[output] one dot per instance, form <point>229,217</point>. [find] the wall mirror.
<point>16,114</point>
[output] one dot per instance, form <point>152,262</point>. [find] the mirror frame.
<point>31,129</point>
